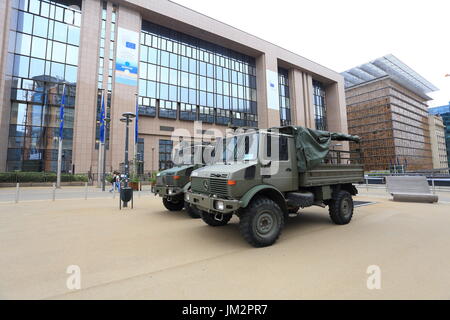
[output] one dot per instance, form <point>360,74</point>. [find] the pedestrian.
<point>118,181</point>
<point>113,182</point>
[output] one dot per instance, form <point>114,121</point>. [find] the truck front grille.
<point>210,186</point>
<point>218,186</point>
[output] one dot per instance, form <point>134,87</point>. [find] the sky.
<point>342,34</point>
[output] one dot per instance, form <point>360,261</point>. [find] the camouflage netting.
<point>313,145</point>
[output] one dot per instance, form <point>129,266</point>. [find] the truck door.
<point>282,171</point>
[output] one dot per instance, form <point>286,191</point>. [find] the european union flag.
<point>102,120</point>
<point>61,112</point>
<point>136,124</point>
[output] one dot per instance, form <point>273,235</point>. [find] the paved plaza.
<point>150,253</point>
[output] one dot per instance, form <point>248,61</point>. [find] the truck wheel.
<point>341,207</point>
<point>261,222</point>
<point>174,204</point>
<point>192,211</point>
<point>209,219</point>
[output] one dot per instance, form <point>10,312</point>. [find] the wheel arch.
<point>186,187</point>
<point>350,188</point>
<point>267,191</point>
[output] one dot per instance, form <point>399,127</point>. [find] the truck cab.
<point>262,176</point>
<point>171,184</point>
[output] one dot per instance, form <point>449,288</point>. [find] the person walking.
<point>113,182</point>
<point>118,181</point>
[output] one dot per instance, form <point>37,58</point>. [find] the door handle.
<point>288,169</point>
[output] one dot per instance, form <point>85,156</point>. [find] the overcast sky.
<point>341,34</point>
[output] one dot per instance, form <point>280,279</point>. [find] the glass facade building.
<point>444,112</point>
<point>180,67</point>
<point>43,50</point>
<point>185,78</point>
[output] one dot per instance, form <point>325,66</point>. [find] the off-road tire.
<point>261,222</point>
<point>341,207</point>
<point>171,205</point>
<point>192,211</point>
<point>209,219</point>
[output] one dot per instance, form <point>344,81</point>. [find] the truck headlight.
<point>219,205</point>
<point>186,197</point>
<point>170,191</point>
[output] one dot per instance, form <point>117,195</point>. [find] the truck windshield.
<point>240,147</point>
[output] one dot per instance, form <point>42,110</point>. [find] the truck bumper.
<point>211,205</point>
<point>167,191</point>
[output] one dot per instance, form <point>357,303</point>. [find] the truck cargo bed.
<point>329,174</point>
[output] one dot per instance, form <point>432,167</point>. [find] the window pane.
<point>74,35</point>
<point>59,52</point>
<point>38,47</point>
<point>60,32</point>
<point>23,44</point>
<point>25,22</point>
<point>21,64</point>
<point>72,55</point>
<point>37,67</point>
<point>71,74</point>
<point>40,26</point>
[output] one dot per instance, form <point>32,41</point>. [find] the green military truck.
<point>171,184</point>
<point>263,176</point>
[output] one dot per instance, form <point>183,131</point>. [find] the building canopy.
<point>392,67</point>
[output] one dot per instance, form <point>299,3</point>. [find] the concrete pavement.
<point>150,253</point>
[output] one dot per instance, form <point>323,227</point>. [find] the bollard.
<point>367,184</point>
<point>139,189</point>
<point>16,200</point>
<point>54,192</point>
<point>85,191</point>
<point>434,187</point>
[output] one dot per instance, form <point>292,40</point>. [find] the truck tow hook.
<point>218,216</point>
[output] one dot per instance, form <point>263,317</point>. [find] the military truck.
<point>264,176</point>
<point>171,184</point>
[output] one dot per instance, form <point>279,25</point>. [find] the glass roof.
<point>389,66</point>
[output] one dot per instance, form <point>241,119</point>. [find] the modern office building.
<point>181,65</point>
<point>437,139</point>
<point>444,113</point>
<point>387,107</point>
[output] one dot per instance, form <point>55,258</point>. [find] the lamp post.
<point>127,119</point>
<point>126,193</point>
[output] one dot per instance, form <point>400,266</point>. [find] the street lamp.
<point>126,193</point>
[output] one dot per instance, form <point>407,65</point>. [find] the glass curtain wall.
<point>43,54</point>
<point>182,77</point>
<point>320,108</point>
<point>285,102</point>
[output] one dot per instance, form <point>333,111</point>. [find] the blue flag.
<point>102,120</point>
<point>61,113</point>
<point>136,124</point>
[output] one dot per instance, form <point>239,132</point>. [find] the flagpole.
<point>105,128</point>
<point>60,140</point>
<point>101,143</point>
<point>136,126</point>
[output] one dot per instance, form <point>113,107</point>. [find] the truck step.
<point>300,199</point>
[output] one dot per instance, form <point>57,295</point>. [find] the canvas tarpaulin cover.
<point>313,145</point>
